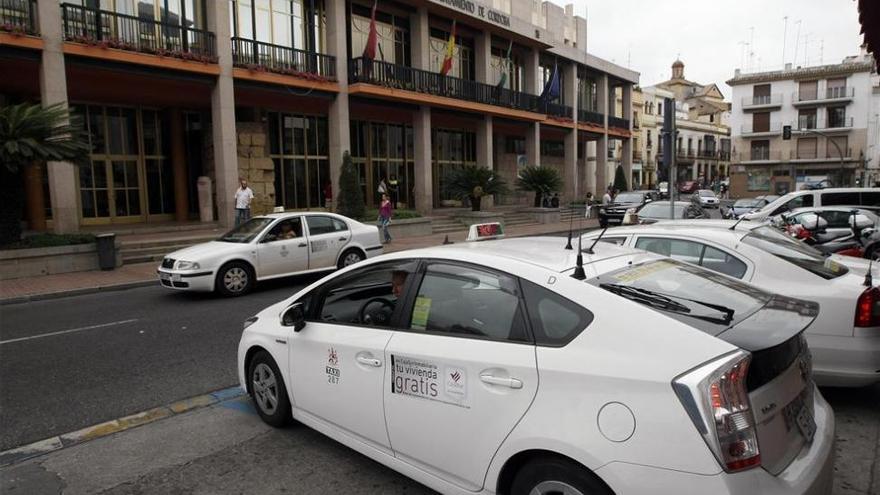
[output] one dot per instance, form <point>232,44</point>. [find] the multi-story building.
<point>703,142</point>
<point>277,90</point>
<point>828,109</point>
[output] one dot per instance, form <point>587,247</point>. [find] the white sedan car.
<point>488,368</point>
<point>706,198</point>
<point>845,338</point>
<point>270,246</point>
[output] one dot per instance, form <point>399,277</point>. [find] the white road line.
<point>72,330</point>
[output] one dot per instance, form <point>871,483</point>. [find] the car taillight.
<point>717,400</point>
<point>868,308</point>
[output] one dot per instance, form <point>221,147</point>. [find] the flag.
<point>373,37</point>
<point>551,89</point>
<point>505,67</point>
<point>450,48</point>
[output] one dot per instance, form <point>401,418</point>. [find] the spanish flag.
<point>372,38</point>
<point>450,48</point>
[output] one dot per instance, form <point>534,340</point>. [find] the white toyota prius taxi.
<point>270,246</point>
<point>507,367</point>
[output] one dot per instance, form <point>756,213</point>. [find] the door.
<point>283,249</point>
<point>462,374</point>
<point>338,359</point>
<point>327,236</point>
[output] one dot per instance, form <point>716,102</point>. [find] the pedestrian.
<point>606,199</point>
<point>393,188</point>
<point>554,201</point>
<point>243,198</point>
<point>588,204</point>
<point>382,188</point>
<point>384,219</point>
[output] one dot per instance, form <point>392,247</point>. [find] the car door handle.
<point>343,239</point>
<point>503,382</point>
<point>369,361</point>
<point>303,244</point>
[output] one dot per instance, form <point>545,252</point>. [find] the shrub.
<point>540,180</point>
<point>620,182</point>
<point>350,199</point>
<point>473,182</point>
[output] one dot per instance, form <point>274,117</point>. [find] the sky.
<point>710,36</point>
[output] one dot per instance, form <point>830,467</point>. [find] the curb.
<point>75,292</point>
<point>94,432</point>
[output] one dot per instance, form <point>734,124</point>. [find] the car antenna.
<point>589,250</point>
<point>579,265</point>
<point>570,222</point>
<point>740,219</point>
<point>869,280</point>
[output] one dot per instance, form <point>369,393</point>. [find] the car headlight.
<point>187,265</point>
<point>250,321</point>
<point>602,210</point>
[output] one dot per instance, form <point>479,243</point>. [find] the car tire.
<point>350,257</point>
<point>553,475</point>
<point>235,278</point>
<point>268,391</point>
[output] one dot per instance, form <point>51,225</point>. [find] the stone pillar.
<point>423,167</point>
<point>63,189</point>
<point>533,144</point>
<point>602,99</point>
<point>178,164</point>
<point>337,119</point>
<point>223,117</point>
<point>627,161</point>
<point>420,38</point>
<point>35,212</point>
<point>602,178</point>
<point>530,72</point>
<point>590,168</point>
<point>571,190</point>
<point>485,155</point>
<point>627,158</point>
<point>483,57</point>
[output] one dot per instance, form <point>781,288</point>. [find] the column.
<point>63,188</point>
<point>530,72</point>
<point>533,144</point>
<point>627,159</point>
<point>571,191</point>
<point>485,156</point>
<point>423,167</point>
<point>35,211</point>
<point>590,168</point>
<point>602,98</point>
<point>178,164</point>
<point>339,138</point>
<point>223,118</point>
<point>420,38</point>
<point>483,57</point>
<point>602,178</point>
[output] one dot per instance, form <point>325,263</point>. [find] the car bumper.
<point>845,361</point>
<point>810,473</point>
<point>195,280</point>
<point>612,218</point>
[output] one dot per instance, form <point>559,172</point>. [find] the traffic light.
<point>786,132</point>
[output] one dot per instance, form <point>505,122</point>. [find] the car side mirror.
<point>294,316</point>
<point>867,232</point>
<point>648,200</point>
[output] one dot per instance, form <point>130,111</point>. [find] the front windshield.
<point>699,297</point>
<point>628,198</point>
<point>768,239</point>
<point>660,210</point>
<point>707,194</point>
<point>747,203</point>
<point>246,232</point>
<point>778,201</point>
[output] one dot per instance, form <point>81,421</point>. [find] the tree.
<point>29,134</point>
<point>620,182</point>
<point>350,200</point>
<point>473,182</point>
<point>541,180</point>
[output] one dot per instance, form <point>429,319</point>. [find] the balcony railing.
<point>844,123</point>
<point>773,127</point>
<point>422,81</point>
<point>760,154</point>
<point>618,122</point>
<point>282,59</point>
<point>839,92</point>
<point>831,153</point>
<point>836,93</point>
<point>591,117</point>
<point>763,100</point>
<point>109,29</point>
<point>18,16</point>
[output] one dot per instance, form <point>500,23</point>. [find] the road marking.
<point>72,330</point>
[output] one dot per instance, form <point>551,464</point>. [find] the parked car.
<point>659,210</point>
<point>613,214</point>
<point>838,219</point>
<point>429,361</point>
<point>706,198</point>
<point>741,207</point>
<point>847,196</point>
<point>267,247</point>
<point>689,186</point>
<point>834,229</point>
<point>844,339</point>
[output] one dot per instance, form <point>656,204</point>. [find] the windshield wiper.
<point>665,302</point>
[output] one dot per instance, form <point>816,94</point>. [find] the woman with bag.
<point>385,217</point>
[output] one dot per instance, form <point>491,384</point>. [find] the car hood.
<point>776,322</point>
<point>207,250</point>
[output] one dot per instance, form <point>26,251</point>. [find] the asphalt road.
<point>70,363</point>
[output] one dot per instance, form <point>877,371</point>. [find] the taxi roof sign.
<point>485,231</point>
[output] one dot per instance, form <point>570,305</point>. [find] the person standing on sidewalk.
<point>588,204</point>
<point>243,197</point>
<point>385,218</point>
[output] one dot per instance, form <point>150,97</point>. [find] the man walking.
<point>243,197</point>
<point>607,198</point>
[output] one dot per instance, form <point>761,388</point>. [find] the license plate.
<point>164,276</point>
<point>175,277</point>
<point>806,424</point>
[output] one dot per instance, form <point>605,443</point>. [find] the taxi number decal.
<point>426,380</point>
<point>332,368</point>
<point>319,246</point>
<point>421,310</point>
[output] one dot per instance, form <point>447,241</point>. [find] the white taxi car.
<point>487,368</point>
<point>845,338</point>
<point>270,246</point>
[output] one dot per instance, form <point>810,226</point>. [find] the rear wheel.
<point>235,279</point>
<point>350,257</point>
<point>268,391</point>
<point>556,476</point>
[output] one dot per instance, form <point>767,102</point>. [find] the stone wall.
<point>255,166</point>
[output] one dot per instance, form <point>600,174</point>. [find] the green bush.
<point>541,180</point>
<point>620,182</point>
<point>372,214</point>
<point>350,198</point>
<point>473,182</point>
<point>50,240</point>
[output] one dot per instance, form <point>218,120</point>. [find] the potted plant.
<point>473,183</point>
<point>540,180</point>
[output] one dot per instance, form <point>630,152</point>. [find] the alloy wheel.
<point>235,279</point>
<point>551,487</point>
<point>350,259</point>
<point>265,388</point>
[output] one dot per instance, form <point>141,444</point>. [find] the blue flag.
<point>551,89</point>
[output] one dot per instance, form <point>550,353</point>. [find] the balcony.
<point>830,95</point>
<point>760,155</point>
<point>618,122</point>
<point>590,117</point>
<point>761,102</point>
<point>421,81</point>
<point>749,130</point>
<point>18,16</point>
<point>257,55</point>
<point>831,154</point>
<point>111,30</point>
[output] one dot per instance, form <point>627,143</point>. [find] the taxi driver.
<point>398,278</point>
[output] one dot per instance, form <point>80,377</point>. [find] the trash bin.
<point>106,247</point>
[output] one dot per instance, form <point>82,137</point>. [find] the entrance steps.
<point>142,247</point>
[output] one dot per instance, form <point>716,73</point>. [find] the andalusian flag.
<point>373,37</point>
<point>505,67</point>
<point>450,50</point>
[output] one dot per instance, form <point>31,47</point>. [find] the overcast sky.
<point>709,35</point>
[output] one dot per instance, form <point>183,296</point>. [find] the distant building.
<point>829,110</point>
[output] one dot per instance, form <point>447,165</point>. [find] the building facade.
<point>276,91</point>
<point>828,108</point>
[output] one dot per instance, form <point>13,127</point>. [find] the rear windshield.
<point>628,198</point>
<point>796,252</point>
<point>696,296</point>
<point>707,193</point>
<point>660,210</point>
<point>245,232</point>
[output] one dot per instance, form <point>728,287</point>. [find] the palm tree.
<point>30,133</point>
<point>541,180</point>
<point>473,182</point>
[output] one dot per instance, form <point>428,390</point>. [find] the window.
<point>468,302</point>
<point>552,148</point>
<point>803,201</point>
<point>870,199</point>
<point>761,94</point>
<point>298,146</point>
<point>367,297</point>
<point>555,320</point>
<point>761,122</point>
<point>695,253</point>
<point>769,239</point>
<point>808,90</point>
<point>514,145</point>
<point>719,261</point>
<point>392,31</point>
<point>838,151</point>
<point>836,88</point>
<point>324,225</point>
<point>806,148</point>
<point>290,228</point>
<point>841,199</point>
<point>836,117</point>
<point>617,241</point>
<point>758,179</point>
<point>807,118</point>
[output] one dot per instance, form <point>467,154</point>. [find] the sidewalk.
<point>142,274</point>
